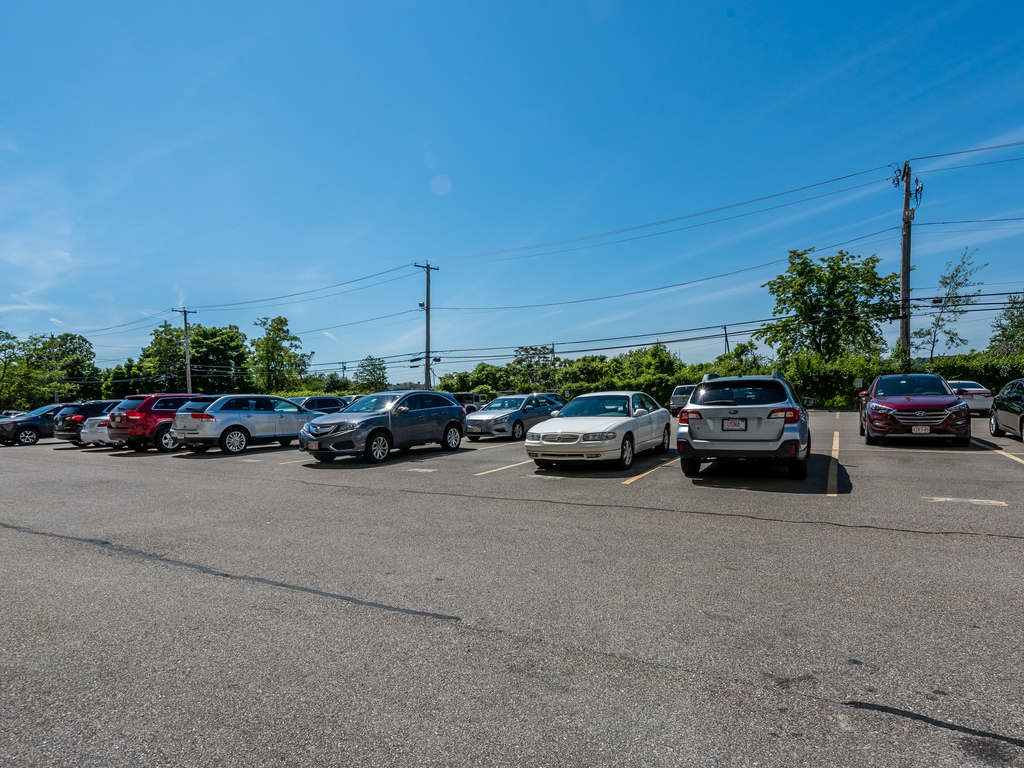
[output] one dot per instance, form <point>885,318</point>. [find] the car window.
<point>168,404</point>
<point>649,403</point>
<point>531,402</point>
<point>236,404</point>
<point>435,401</point>
<point>129,404</point>
<point>285,406</point>
<point>543,402</point>
<point>198,405</point>
<point>71,411</point>
<point>637,403</point>
<point>412,402</point>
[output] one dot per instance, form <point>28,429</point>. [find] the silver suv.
<point>679,397</point>
<point>234,422</point>
<point>744,417</point>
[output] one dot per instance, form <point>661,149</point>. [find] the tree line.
<point>826,336</point>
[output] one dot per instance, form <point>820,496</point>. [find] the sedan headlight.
<point>500,420</point>
<point>594,437</point>
<point>882,409</point>
<point>961,406</point>
<point>534,436</point>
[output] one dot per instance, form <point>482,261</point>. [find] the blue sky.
<point>211,155</point>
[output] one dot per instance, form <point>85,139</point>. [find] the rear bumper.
<point>785,450</point>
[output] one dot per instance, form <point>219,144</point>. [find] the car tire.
<point>234,440</point>
<point>993,424</point>
<point>324,458</point>
<point>860,425</point>
<point>869,439</point>
<point>199,448</point>
<point>666,441</point>
<point>690,467</point>
<point>627,454</point>
<point>962,442</point>
<point>26,436</point>
<point>378,447</point>
<point>452,438</point>
<point>518,431</point>
<point>164,442</point>
<point>544,463</point>
<point>284,442</point>
<point>473,438</point>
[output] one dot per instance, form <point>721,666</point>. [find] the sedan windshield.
<point>504,404</point>
<point>373,403</point>
<point>606,405</point>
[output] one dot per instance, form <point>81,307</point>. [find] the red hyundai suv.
<point>142,421</point>
<point>914,405</point>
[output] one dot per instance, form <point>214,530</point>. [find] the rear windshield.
<point>198,405</point>
<point>683,390</point>
<point>895,386</point>
<point>129,404</point>
<point>739,393</point>
<point>71,411</point>
<point>965,385</point>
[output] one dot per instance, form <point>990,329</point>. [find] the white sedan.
<point>977,397</point>
<point>603,426</point>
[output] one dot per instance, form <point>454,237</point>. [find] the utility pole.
<point>188,362</point>
<point>426,307</point>
<point>725,330</point>
<point>908,220</point>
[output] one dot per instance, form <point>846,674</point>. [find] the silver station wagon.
<point>234,422</point>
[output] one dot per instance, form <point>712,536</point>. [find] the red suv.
<point>914,404</point>
<point>142,421</point>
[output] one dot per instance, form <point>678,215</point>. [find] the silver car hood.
<point>489,415</point>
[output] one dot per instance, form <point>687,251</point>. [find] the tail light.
<point>133,415</point>
<point>104,423</point>
<point>685,416</point>
<point>75,418</point>
<point>202,416</point>
<point>791,415</point>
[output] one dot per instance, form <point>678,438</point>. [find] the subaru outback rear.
<point>744,417</point>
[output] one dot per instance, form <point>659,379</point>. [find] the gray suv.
<point>679,397</point>
<point>376,424</point>
<point>234,422</point>
<point>744,417</point>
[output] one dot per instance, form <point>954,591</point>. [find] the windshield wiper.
<point>719,402</point>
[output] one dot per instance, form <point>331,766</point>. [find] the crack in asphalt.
<point>697,513</point>
<point>130,552</point>
<point>932,721</point>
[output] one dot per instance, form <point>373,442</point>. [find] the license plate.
<point>921,430</point>
<point>472,429</point>
<point>313,445</point>
<point>734,425</point>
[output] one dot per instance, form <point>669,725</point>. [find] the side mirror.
<point>555,413</point>
<point>809,401</point>
<point>528,408</point>
<point>960,392</point>
<point>402,409</point>
<point>640,412</point>
<point>865,393</point>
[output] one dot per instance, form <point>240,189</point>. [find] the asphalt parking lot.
<point>467,608</point>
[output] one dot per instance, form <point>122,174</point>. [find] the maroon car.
<point>913,405</point>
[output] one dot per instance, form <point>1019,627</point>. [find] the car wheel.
<point>993,425</point>
<point>234,440</point>
<point>962,442</point>
<point>284,442</point>
<point>199,448</point>
<point>378,446</point>
<point>452,438</point>
<point>869,439</point>
<point>518,431</point>
<point>860,425</point>
<point>666,441</point>
<point>690,467</point>
<point>26,436</point>
<point>164,442</point>
<point>626,457</point>
<point>544,463</point>
<point>324,458</point>
<point>473,438</point>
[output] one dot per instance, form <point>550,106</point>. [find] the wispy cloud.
<point>330,335</point>
<point>55,321</point>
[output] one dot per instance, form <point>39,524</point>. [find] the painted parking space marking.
<point>496,445</point>
<point>499,469</point>
<point>299,461</point>
<point>1018,459</point>
<point>420,469</point>
<point>833,467</point>
<point>645,474</point>
<point>251,461</point>
<point>978,502</point>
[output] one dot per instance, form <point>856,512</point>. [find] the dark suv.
<point>27,428</point>
<point>67,425</point>
<point>142,421</point>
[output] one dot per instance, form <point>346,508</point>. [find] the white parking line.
<point>833,467</point>
<point>645,474</point>
<point>499,469</point>
<point>300,461</point>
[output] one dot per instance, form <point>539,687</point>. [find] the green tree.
<point>123,380</point>
<point>948,306</point>
<point>832,306</point>
<point>1008,328</point>
<point>276,357</point>
<point>371,375</point>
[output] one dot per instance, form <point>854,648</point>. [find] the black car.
<point>67,425</point>
<point>1007,414</point>
<point>28,428</point>
<point>321,403</point>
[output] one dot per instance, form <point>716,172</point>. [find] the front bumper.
<point>579,451</point>
<point>955,425</point>
<point>478,429</point>
<point>333,444</point>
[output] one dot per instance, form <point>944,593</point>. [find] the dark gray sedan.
<point>510,416</point>
<point>376,424</point>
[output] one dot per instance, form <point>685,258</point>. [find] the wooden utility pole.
<point>908,218</point>
<point>188,362</point>
<point>426,307</point>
